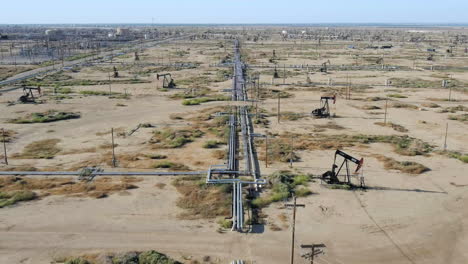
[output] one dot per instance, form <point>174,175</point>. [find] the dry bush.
<point>173,166</point>
<point>172,138</point>
<point>98,188</point>
<point>431,105</point>
<point>461,118</point>
<point>279,149</point>
<point>403,145</point>
<point>290,116</point>
<point>42,149</point>
<point>370,107</point>
<point>409,167</point>
<point>7,135</point>
<point>274,227</point>
<point>403,105</point>
<point>330,125</point>
<point>395,127</point>
<point>201,200</point>
<point>219,154</point>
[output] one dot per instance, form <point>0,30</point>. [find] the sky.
<point>232,11</point>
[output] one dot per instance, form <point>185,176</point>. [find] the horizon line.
<point>247,24</point>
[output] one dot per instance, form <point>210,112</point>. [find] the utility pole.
<point>4,146</point>
<point>279,107</point>
<point>445,141</point>
<point>284,73</point>
<point>315,249</point>
<point>114,161</point>
<point>266,151</point>
<point>385,118</point>
<point>291,153</point>
<point>294,206</point>
<point>110,85</point>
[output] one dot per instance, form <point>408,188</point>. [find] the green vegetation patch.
<point>11,198</point>
<point>211,144</point>
<point>200,100</point>
<point>457,155</point>
<point>46,117</point>
<point>283,185</point>
<point>171,138</point>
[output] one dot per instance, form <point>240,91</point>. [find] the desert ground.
<point>393,112</point>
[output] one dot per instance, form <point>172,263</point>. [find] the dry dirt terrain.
<point>412,211</point>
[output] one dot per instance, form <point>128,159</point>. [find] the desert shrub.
<point>77,261</point>
<point>170,138</point>
<point>461,118</point>
<point>7,199</point>
<point>200,100</point>
<point>42,149</point>
<point>403,166</point>
<point>156,156</point>
<point>154,257</point>
<point>225,223</point>
<point>403,105</point>
<point>283,184</point>
<point>200,200</point>
<point>210,144</point>
<point>457,155</point>
<point>397,96</point>
<point>46,117</point>
<point>395,127</point>
<point>170,165</point>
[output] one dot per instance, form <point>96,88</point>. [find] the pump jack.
<point>324,67</point>
<point>275,74</point>
<point>324,110</point>
<point>28,95</point>
<point>331,177</point>
<point>167,82</point>
<point>116,73</point>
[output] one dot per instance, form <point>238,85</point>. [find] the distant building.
<point>54,34</point>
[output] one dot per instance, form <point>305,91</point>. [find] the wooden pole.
<point>266,151</point>
<point>445,141</point>
<point>110,86</point>
<point>284,73</point>
<point>291,153</point>
<point>4,146</point>
<point>113,149</point>
<point>279,107</point>
<point>385,118</point>
<point>294,205</point>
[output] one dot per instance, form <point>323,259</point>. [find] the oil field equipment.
<point>116,73</point>
<point>275,74</point>
<point>324,110</point>
<point>331,177</point>
<point>28,94</point>
<point>324,67</point>
<point>168,82</point>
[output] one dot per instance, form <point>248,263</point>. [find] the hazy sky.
<point>233,11</point>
